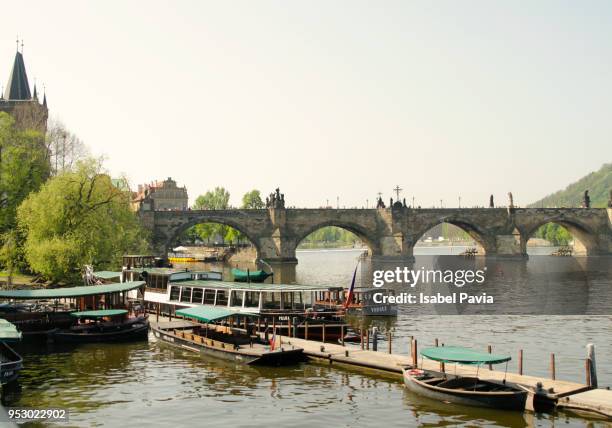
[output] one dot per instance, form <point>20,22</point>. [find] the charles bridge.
<point>389,233</point>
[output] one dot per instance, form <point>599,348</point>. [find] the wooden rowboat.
<point>464,390</point>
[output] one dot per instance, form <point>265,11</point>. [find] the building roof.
<point>67,292</point>
<point>226,285</point>
<point>17,87</point>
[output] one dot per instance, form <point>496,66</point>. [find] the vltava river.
<point>155,385</point>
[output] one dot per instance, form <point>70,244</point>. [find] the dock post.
<point>288,326</point>
<point>157,313</point>
<point>415,353</point>
<point>489,349</point>
<point>306,329</point>
<point>273,325</point>
<point>552,366</point>
<point>520,362</point>
<point>436,342</point>
<point>374,339</point>
<point>323,333</point>
<point>389,337</point>
<point>367,339</point>
<point>295,327</point>
<point>587,369</point>
<point>592,366</point>
<point>342,334</point>
<point>266,332</point>
<point>361,338</point>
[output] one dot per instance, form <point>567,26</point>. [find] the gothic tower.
<point>20,103</point>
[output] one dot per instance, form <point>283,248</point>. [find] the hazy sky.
<point>330,98</point>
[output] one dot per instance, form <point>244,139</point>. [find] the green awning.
<point>210,313</point>
<point>107,274</point>
<point>8,331</point>
<point>99,314</point>
<point>457,354</point>
<point>67,292</point>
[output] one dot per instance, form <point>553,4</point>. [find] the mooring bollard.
<point>374,339</point>
<point>389,337</point>
<point>342,334</point>
<point>323,333</point>
<point>306,329</point>
<point>552,366</point>
<point>520,362</point>
<point>346,353</point>
<point>489,349</point>
<point>295,327</point>
<point>415,353</point>
<point>361,338</point>
<point>592,365</point>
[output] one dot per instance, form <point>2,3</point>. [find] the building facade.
<point>161,196</point>
<point>19,102</point>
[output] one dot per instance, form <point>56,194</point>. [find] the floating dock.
<point>563,394</point>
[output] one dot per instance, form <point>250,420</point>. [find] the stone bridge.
<point>390,232</point>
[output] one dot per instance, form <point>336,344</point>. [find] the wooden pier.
<point>559,393</point>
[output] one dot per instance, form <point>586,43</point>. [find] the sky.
<point>330,101</point>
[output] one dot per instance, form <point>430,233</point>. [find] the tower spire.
<point>44,95</point>
<point>17,87</point>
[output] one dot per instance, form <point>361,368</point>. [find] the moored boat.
<point>206,337</point>
<point>10,361</point>
<point>248,276</point>
<point>109,325</point>
<point>464,390</point>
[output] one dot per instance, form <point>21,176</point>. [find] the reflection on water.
<point>157,385</point>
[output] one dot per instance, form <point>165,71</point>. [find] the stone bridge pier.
<point>389,233</point>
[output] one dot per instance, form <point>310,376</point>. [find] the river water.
<point>157,385</point>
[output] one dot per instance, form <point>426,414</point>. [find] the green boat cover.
<point>457,354</point>
<point>210,313</point>
<point>99,314</point>
<point>67,292</point>
<point>253,274</point>
<point>107,274</point>
<point>8,331</point>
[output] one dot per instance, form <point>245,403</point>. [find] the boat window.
<point>197,295</point>
<point>251,299</point>
<point>236,299</point>
<point>222,297</point>
<point>186,294</point>
<point>209,297</point>
<point>174,293</point>
<point>271,300</point>
<point>292,300</point>
<point>307,296</point>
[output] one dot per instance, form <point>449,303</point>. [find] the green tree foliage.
<point>555,234</point>
<point>598,183</point>
<point>217,199</point>
<point>24,167</point>
<point>78,217</point>
<point>252,200</point>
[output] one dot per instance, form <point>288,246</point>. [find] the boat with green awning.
<point>464,390</point>
<point>249,276</point>
<point>207,337</point>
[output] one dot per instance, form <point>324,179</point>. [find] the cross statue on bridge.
<point>397,191</point>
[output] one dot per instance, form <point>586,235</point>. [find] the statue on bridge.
<point>380,203</point>
<point>610,199</point>
<point>510,200</point>
<point>276,199</point>
<point>586,200</point>
<point>491,202</point>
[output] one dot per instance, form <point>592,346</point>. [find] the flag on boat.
<point>349,297</point>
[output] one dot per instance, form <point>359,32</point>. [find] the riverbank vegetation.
<point>60,209</point>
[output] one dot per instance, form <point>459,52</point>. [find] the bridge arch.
<point>585,240</point>
<point>359,231</point>
<point>180,229</point>
<point>477,233</point>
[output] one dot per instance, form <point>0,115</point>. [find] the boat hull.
<point>274,358</point>
<point>138,331</point>
<point>504,400</point>
<point>10,365</point>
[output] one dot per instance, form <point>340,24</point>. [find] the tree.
<point>217,199</point>
<point>78,217</point>
<point>24,167</point>
<point>252,200</point>
<point>65,148</point>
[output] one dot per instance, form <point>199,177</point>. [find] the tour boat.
<point>206,337</point>
<point>108,325</point>
<point>364,301</point>
<point>289,309</point>
<point>248,276</point>
<point>465,390</point>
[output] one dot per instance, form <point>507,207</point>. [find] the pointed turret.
<point>34,94</point>
<point>45,99</point>
<point>17,87</point>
